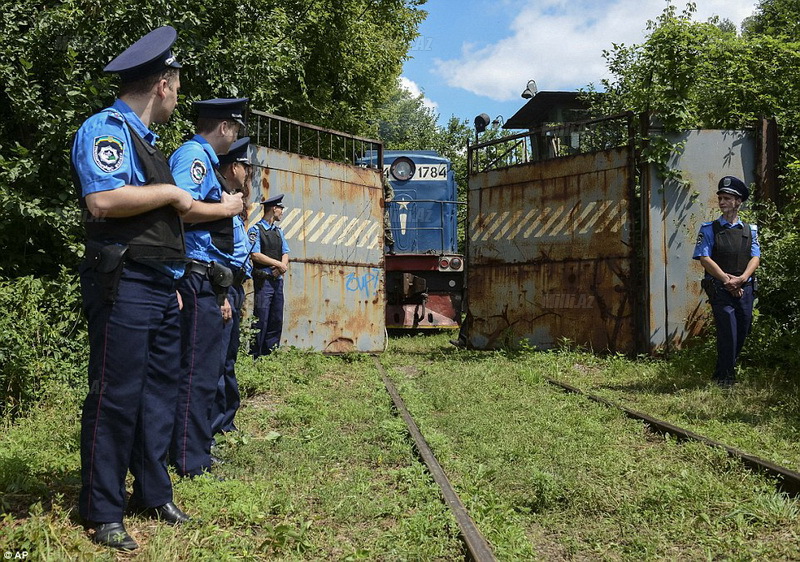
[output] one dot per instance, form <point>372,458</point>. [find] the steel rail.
<point>788,480</point>
<point>477,547</point>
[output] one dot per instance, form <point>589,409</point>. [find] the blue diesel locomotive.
<point>424,271</point>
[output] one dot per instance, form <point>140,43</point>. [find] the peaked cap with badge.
<point>223,108</point>
<point>275,201</point>
<point>149,55</point>
<point>733,186</point>
<point>237,152</point>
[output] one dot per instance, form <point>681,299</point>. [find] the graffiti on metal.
<point>366,284</point>
<point>333,224</point>
<point>550,253</point>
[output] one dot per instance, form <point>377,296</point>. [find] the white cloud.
<point>416,91</point>
<point>559,43</point>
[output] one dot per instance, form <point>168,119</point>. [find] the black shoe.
<point>168,513</point>
<point>114,535</point>
<point>458,343</point>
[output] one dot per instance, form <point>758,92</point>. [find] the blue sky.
<point>476,56</point>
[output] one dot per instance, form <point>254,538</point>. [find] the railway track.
<point>788,480</point>
<point>478,548</point>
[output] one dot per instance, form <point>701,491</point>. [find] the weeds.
<point>322,469</point>
<point>548,474</point>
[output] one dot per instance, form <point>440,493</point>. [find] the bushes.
<point>775,341</point>
<point>42,337</point>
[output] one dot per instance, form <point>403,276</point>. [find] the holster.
<point>221,278</point>
<point>239,276</point>
<point>107,263</point>
<point>263,274</point>
<point>709,287</point>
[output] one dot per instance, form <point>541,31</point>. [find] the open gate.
<point>563,245</point>
<point>551,245</point>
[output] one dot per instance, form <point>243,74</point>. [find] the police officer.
<point>204,287</point>
<point>134,255</point>
<point>729,252</point>
<point>235,167</point>
<point>270,262</point>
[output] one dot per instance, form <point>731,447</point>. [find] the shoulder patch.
<point>198,171</point>
<point>108,153</point>
<point>252,235</point>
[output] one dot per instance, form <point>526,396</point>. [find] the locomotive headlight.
<point>443,263</point>
<point>456,263</point>
<point>402,169</point>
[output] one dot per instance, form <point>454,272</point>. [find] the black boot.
<point>114,535</point>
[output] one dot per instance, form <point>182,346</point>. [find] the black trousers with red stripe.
<point>201,364</point>
<point>134,364</point>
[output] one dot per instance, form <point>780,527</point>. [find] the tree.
<point>406,123</point>
<point>322,61</point>
<point>693,74</point>
<point>775,18</point>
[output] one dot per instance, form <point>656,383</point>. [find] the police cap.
<point>274,201</point>
<point>237,153</point>
<point>733,186</point>
<point>223,108</point>
<point>149,55</point>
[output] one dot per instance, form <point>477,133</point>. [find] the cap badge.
<point>726,182</point>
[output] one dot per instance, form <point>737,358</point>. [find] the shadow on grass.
<point>760,397</point>
<point>21,487</point>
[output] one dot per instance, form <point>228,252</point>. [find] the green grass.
<point>549,475</point>
<point>322,469</point>
<point>759,415</point>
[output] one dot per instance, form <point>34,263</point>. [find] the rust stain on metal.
<point>550,253</point>
<point>333,225</point>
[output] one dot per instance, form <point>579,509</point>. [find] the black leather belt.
<point>195,266</point>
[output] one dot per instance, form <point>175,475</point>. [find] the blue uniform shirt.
<point>193,167</point>
<point>255,236</point>
<point>705,239</point>
<point>241,246</point>
<point>114,162</point>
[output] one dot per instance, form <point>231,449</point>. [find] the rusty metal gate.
<point>676,306</point>
<point>333,223</point>
<point>562,245</point>
<point>550,241</point>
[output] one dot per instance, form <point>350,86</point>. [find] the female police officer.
<point>729,252</point>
